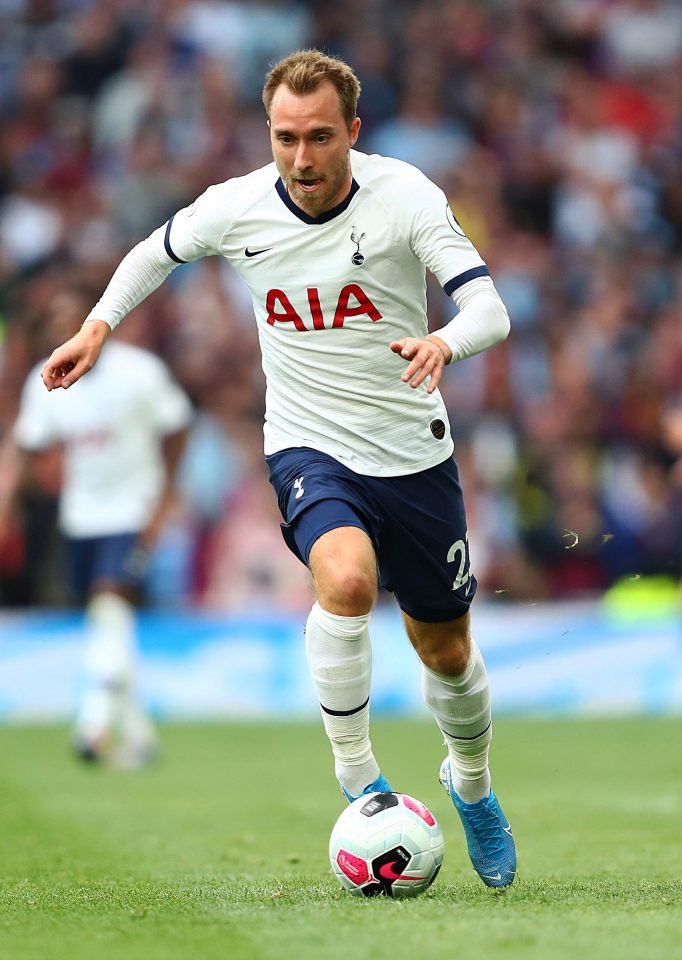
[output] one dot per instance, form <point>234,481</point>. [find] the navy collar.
<point>323,217</point>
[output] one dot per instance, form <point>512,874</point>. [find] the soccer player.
<point>333,245</point>
<point>122,432</point>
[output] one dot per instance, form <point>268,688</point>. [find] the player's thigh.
<point>317,494</point>
<point>331,524</point>
<point>424,546</point>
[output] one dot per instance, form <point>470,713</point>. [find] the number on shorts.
<point>461,548</point>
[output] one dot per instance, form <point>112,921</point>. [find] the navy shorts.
<point>417,524</point>
<point>115,558</point>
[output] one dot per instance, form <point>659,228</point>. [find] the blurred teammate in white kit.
<point>122,443</point>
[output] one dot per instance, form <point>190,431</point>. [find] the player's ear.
<point>354,131</point>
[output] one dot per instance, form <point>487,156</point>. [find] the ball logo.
<point>378,803</point>
<point>387,871</point>
<point>355,868</point>
<point>357,258</point>
<point>391,866</point>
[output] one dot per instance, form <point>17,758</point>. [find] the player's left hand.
<point>427,356</point>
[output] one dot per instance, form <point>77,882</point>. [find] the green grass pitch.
<point>219,850</point>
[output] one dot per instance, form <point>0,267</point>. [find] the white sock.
<point>340,661</point>
<point>108,664</point>
<point>461,707</point>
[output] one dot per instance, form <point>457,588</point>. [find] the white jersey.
<point>110,423</point>
<point>330,293</point>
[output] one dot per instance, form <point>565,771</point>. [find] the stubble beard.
<point>326,194</point>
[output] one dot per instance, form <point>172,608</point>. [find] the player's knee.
<point>346,590</point>
<point>451,661</point>
<point>446,652</point>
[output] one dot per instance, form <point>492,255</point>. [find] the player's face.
<point>311,144</point>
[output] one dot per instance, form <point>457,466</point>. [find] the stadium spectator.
<point>587,257</point>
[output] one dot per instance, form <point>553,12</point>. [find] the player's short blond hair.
<point>305,70</point>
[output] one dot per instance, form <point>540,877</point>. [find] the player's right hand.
<point>68,363</point>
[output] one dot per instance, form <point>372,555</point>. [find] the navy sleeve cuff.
<point>459,281</point>
<point>166,243</point>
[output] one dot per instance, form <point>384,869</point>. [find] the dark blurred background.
<point>556,131</point>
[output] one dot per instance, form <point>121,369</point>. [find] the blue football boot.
<point>380,785</point>
<point>489,836</point>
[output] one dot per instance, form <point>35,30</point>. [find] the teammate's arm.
<point>16,470</point>
<point>173,447</point>
<point>15,466</point>
<point>482,321</point>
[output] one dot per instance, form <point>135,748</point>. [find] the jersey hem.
<point>368,470</point>
<point>79,531</point>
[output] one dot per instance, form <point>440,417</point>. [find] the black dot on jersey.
<point>358,259</point>
<point>438,429</point>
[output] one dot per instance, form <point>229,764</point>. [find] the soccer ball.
<point>386,843</point>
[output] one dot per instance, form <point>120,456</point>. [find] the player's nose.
<point>302,160</point>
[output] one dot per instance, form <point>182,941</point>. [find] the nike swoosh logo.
<point>493,876</point>
<point>254,253</point>
<point>388,873</point>
<point>507,829</point>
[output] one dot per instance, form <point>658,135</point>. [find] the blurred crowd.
<point>556,131</point>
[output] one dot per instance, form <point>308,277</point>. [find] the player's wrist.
<point>442,346</point>
<point>97,330</point>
